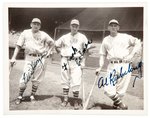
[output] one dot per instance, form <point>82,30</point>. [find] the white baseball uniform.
<point>36,48</point>
<point>72,52</point>
<point>118,48</point>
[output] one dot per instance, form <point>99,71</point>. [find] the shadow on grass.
<point>44,97</point>
<point>37,97</point>
<point>70,100</point>
<point>102,106</point>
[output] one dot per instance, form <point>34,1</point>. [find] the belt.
<point>119,61</point>
<point>35,55</point>
<point>70,58</point>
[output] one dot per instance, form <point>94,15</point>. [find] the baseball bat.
<point>83,92</point>
<point>87,101</point>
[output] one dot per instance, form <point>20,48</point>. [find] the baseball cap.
<point>75,21</point>
<point>36,20</point>
<point>113,21</point>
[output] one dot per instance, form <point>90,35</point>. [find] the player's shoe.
<point>32,99</point>
<point>120,106</point>
<point>18,100</point>
<point>76,105</point>
<point>65,101</point>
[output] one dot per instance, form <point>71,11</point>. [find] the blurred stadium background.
<point>94,21</point>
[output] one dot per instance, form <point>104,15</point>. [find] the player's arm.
<point>19,45</point>
<point>103,54</point>
<point>58,44</point>
<point>101,63</point>
<point>89,50</point>
<point>87,46</point>
<point>136,47</point>
<point>91,46</point>
<point>49,43</point>
<point>50,49</point>
<point>16,51</point>
<point>136,43</point>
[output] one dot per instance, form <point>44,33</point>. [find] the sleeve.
<point>133,40</point>
<point>86,42</point>
<point>103,50</point>
<point>136,43</point>
<point>21,39</point>
<point>49,39</point>
<point>58,43</point>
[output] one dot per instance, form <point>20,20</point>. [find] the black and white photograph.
<point>77,59</point>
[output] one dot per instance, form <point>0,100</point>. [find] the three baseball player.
<point>116,47</point>
<point>72,47</point>
<point>38,45</point>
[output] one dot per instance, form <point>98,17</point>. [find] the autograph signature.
<point>78,60</point>
<point>75,51</point>
<point>27,75</point>
<point>114,76</point>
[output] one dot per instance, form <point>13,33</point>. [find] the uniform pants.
<point>71,74</point>
<point>121,84</point>
<point>34,70</point>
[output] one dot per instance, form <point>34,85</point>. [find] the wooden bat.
<point>88,99</point>
<point>83,93</point>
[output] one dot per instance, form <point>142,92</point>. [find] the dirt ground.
<point>49,94</point>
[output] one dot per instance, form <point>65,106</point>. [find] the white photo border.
<point>75,5</point>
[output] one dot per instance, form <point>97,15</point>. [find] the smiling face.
<point>35,26</point>
<point>113,28</point>
<point>74,28</point>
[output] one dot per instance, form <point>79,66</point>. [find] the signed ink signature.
<point>75,51</point>
<point>64,66</point>
<point>27,75</point>
<point>114,76</point>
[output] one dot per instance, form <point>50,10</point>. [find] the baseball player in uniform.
<point>72,47</point>
<point>116,47</point>
<point>38,45</point>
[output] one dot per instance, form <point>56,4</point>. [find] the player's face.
<point>35,26</point>
<point>74,28</point>
<point>113,28</point>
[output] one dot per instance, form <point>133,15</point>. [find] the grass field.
<point>49,94</point>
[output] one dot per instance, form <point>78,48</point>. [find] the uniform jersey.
<point>72,44</point>
<point>118,47</point>
<point>34,43</point>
